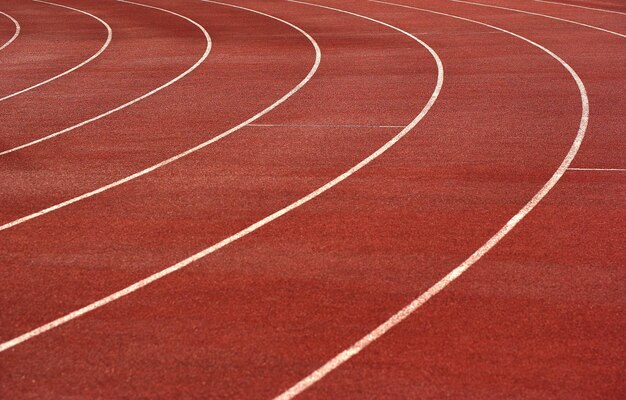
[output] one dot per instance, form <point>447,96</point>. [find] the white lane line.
<point>541,15</point>
<point>318,57</point>
<point>577,6</point>
<point>146,281</point>
<point>598,169</point>
<point>18,28</point>
<point>404,313</point>
<point>82,64</point>
<point>328,126</point>
<point>130,103</point>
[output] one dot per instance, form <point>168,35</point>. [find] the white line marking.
<point>146,281</point>
<point>577,6</point>
<point>541,15</point>
<point>82,64</point>
<point>404,313</point>
<point>328,126</point>
<point>318,57</point>
<point>598,169</point>
<point>130,103</point>
<point>18,28</point>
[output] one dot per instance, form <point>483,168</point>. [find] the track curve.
<point>76,67</point>
<point>134,101</point>
<point>15,35</point>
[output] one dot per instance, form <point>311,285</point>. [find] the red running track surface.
<point>539,316</point>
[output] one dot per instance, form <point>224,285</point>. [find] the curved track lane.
<point>74,68</point>
<point>522,313</point>
<point>203,57</point>
<point>409,309</point>
<point>604,10</point>
<point>294,224</point>
<point>256,27</point>
<point>209,172</point>
<point>270,218</point>
<point>48,44</point>
<point>253,318</point>
<point>192,150</point>
<point>15,34</point>
<point>542,15</point>
<point>138,59</point>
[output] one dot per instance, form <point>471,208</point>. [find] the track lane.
<point>347,139</point>
<point>76,67</point>
<point>122,73</point>
<point>536,317</point>
<point>614,26</point>
<point>107,113</point>
<point>185,153</point>
<point>48,44</point>
<point>270,218</point>
<point>312,272</point>
<point>16,32</point>
<point>440,285</point>
<point>251,41</point>
<point>604,139</point>
<point>604,10</point>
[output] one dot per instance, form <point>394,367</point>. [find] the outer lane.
<point>538,316</point>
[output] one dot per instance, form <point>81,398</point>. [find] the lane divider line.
<point>74,68</point>
<point>251,228</point>
<point>130,103</point>
<point>541,15</point>
<point>409,309</point>
<point>18,29</point>
<point>307,78</point>
<point>577,6</point>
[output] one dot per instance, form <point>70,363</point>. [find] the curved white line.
<point>541,15</point>
<point>404,313</point>
<point>82,64</point>
<point>146,281</point>
<point>18,28</point>
<point>136,175</point>
<point>577,6</point>
<point>130,103</point>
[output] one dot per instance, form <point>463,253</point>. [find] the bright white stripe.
<point>130,103</point>
<point>404,313</point>
<point>598,169</point>
<point>542,15</point>
<point>93,57</point>
<point>577,6</point>
<point>258,224</point>
<point>318,57</point>
<point>18,28</point>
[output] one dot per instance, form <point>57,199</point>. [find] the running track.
<point>336,199</point>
